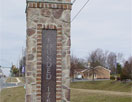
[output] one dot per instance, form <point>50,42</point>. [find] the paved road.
<point>3,83</point>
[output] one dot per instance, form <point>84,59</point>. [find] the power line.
<point>79,10</point>
<point>73,1</point>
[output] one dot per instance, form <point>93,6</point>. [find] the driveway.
<point>3,83</point>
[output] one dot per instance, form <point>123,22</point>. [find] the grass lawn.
<point>12,95</point>
<point>18,94</point>
<point>104,85</point>
<point>11,79</point>
<point>79,96</point>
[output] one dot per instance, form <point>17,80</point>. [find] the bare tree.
<point>120,58</point>
<point>106,59</point>
<point>130,62</point>
<point>127,70</point>
<point>76,63</point>
<point>111,62</point>
<point>113,59</point>
<point>97,58</point>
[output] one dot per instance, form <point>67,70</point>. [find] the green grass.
<point>79,96</point>
<point>18,94</point>
<point>11,79</point>
<point>104,85</point>
<point>12,95</point>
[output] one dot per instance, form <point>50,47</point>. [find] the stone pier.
<point>48,51</point>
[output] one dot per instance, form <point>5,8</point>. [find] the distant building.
<point>78,74</point>
<point>99,73</point>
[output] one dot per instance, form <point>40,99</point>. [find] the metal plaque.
<point>48,88</point>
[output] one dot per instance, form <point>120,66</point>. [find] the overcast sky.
<point>102,24</point>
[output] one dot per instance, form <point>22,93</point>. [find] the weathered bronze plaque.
<point>48,88</point>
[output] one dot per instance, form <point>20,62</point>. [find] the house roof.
<point>79,70</point>
<point>84,70</point>
<point>103,68</point>
<point>95,68</point>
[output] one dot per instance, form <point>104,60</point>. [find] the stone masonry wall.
<point>47,16</point>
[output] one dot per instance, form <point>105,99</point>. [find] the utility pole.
<point>22,63</point>
<point>115,68</point>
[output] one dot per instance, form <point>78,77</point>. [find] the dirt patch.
<point>105,92</point>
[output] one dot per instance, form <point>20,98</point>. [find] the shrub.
<point>112,77</point>
<point>124,77</point>
<point>118,78</point>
